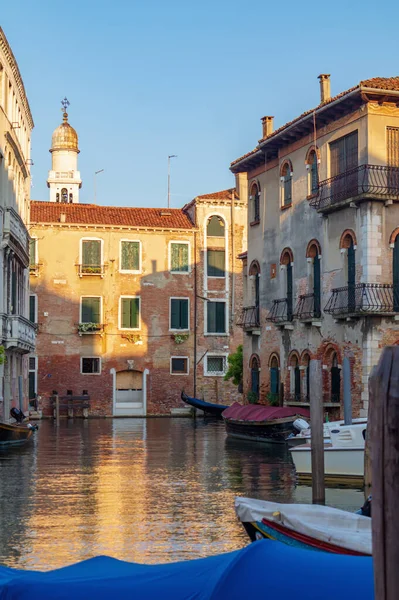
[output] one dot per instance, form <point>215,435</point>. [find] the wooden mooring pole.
<point>57,409</point>
<point>384,438</point>
<point>316,424</point>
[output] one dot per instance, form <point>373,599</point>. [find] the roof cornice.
<point>6,49</point>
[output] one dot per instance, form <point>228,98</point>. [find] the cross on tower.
<point>65,103</point>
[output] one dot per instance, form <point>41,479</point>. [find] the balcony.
<point>90,328</point>
<point>361,183</point>
<point>18,333</point>
<point>281,312</point>
<point>363,299</point>
<point>90,270</point>
<point>15,235</point>
<point>249,318</point>
<point>308,308</point>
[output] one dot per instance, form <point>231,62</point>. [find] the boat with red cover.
<point>260,423</point>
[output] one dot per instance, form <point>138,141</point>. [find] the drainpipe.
<point>195,317</point>
<point>232,262</point>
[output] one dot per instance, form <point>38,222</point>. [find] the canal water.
<point>155,490</point>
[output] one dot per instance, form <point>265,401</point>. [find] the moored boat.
<point>14,434</point>
<point>343,454</point>
<point>305,434</point>
<point>261,423</point>
<point>306,526</point>
<point>208,408</point>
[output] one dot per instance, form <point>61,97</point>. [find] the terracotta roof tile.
<point>378,83</point>
<point>92,214</point>
<point>223,195</point>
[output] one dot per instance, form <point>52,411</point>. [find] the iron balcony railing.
<point>374,180</point>
<point>249,317</point>
<point>308,307</point>
<point>281,311</point>
<point>364,298</point>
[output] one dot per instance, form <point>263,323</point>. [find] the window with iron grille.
<point>91,309</point>
<point>179,313</point>
<point>215,365</point>
<point>216,317</point>
<point>130,256</point>
<point>91,365</point>
<point>179,365</point>
<point>179,257</point>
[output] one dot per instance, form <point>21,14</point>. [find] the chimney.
<point>325,93</point>
<point>267,126</point>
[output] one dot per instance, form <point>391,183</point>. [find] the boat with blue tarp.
<point>209,408</point>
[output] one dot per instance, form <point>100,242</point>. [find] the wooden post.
<point>70,410</point>
<point>367,446</point>
<point>57,409</point>
<point>347,392</point>
<point>384,436</point>
<point>281,394</point>
<point>316,424</point>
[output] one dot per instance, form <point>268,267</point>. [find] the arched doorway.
<point>335,374</point>
<point>274,378</point>
<point>255,368</point>
<point>295,379</point>
<point>129,393</point>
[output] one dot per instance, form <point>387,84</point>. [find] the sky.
<point>151,78</point>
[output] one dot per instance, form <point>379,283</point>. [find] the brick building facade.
<point>321,275</point>
<point>134,304</point>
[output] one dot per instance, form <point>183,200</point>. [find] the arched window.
<point>274,377</point>
<point>215,227</point>
<point>313,173</point>
<point>313,254</point>
<point>395,273</point>
<point>348,243</point>
<point>286,179</point>
<point>71,198</point>
<point>335,374</point>
<point>216,255</point>
<point>255,366</point>
<point>286,261</point>
<point>64,196</point>
<point>295,379</point>
<point>254,204</point>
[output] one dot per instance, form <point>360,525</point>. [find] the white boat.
<point>306,526</point>
<point>343,453</point>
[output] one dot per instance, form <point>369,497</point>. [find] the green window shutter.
<point>184,314</point>
<point>32,309</point>
<point>130,313</point>
<point>91,310</point>
<point>130,256</point>
<point>32,252</point>
<point>220,317</point>
<point>91,253</point>
<point>211,317</point>
<point>174,314</point>
<point>216,262</point>
<point>179,258</point>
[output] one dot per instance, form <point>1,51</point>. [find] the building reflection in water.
<point>154,490</point>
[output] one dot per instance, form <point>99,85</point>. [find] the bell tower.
<point>64,178</point>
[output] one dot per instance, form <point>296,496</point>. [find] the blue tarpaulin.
<point>264,569</point>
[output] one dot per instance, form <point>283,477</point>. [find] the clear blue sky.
<point>150,78</point>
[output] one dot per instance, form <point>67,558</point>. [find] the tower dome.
<point>64,137</point>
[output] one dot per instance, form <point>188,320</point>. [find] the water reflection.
<point>153,490</point>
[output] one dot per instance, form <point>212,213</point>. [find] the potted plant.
<point>88,327</point>
<point>180,338</point>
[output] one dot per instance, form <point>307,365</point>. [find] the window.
<point>32,254</point>
<point>344,155</point>
<point>215,263</point>
<point>313,256</point>
<point>287,260</point>
<point>90,309</point>
<point>216,317</point>
<point>179,257</point>
<point>130,256</point>
<point>274,378</point>
<point>64,196</point>
<point>179,365</point>
<point>335,379</point>
<point>91,366</point>
<point>179,309</point>
<point>33,308</point>
<point>32,377</point>
<point>255,368</point>
<point>295,380</point>
<point>91,257</point>
<point>286,179</point>
<point>130,313</point>
<point>215,227</point>
<point>254,204</point>
<point>313,175</point>
<point>215,365</point>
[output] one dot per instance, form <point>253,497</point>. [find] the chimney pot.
<point>267,126</point>
<point>325,92</point>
